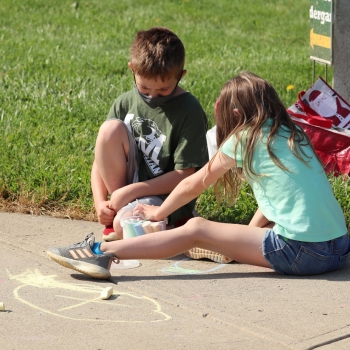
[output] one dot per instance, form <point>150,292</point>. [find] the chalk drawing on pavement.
<point>82,302</point>
<point>176,269</point>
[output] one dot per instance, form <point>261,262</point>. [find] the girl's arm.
<point>157,186</point>
<point>259,220</point>
<point>188,189</point>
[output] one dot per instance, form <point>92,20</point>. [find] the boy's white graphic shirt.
<point>150,143</point>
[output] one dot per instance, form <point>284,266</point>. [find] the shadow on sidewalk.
<point>336,276</point>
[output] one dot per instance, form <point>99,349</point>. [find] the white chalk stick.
<point>156,226</point>
<point>2,306</point>
<point>146,226</point>
<point>106,293</point>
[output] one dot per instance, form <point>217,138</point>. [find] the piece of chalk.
<point>156,226</point>
<point>2,306</point>
<point>128,230</point>
<point>138,228</point>
<point>106,293</point>
<point>147,227</point>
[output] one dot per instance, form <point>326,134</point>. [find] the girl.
<point>299,228</point>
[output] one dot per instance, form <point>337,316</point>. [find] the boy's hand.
<point>105,215</point>
<point>148,212</point>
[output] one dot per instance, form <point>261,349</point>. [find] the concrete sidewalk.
<point>175,303</point>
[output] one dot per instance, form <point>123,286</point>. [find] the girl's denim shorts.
<point>289,257</point>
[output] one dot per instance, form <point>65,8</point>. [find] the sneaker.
<point>80,257</point>
<point>198,253</point>
<point>109,234</point>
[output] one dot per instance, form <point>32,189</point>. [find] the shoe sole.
<point>83,267</point>
<point>110,238</point>
<point>198,253</point>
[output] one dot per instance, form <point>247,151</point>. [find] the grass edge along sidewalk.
<point>62,67</point>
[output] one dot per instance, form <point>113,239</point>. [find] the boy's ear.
<point>183,73</point>
<point>130,66</point>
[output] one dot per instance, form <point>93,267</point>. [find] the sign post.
<point>330,41</point>
<point>321,31</point>
<point>341,48</point>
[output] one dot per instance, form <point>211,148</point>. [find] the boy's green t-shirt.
<point>170,137</point>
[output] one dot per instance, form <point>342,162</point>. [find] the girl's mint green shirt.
<point>300,201</point>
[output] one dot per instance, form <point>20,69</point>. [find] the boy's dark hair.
<point>157,52</point>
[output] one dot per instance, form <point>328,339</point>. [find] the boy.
<point>154,136</point>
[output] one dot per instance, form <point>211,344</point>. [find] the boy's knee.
<point>117,228</point>
<point>112,130</point>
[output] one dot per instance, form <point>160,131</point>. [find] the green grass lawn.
<point>63,63</point>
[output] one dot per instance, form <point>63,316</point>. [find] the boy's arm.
<point>100,194</point>
<point>160,185</point>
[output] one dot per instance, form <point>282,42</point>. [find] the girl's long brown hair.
<point>245,103</point>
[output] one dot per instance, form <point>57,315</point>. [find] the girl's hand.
<point>148,212</point>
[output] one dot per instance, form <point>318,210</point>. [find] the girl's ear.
<point>130,66</point>
<point>236,111</point>
<point>216,108</point>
